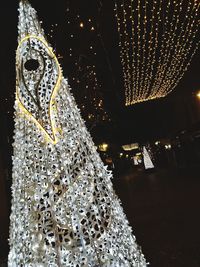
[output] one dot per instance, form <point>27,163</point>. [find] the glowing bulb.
<point>168,147</point>
<point>103,147</point>
<point>198,94</point>
<point>81,25</point>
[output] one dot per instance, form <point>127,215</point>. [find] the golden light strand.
<point>157,44</point>
<point>154,49</point>
<point>133,33</point>
<point>138,50</point>
<point>122,50</point>
<point>171,46</point>
<point>127,44</point>
<point>167,49</point>
<point>181,51</point>
<point>144,38</point>
<point>164,43</point>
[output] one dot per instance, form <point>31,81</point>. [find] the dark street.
<point>163,208</point>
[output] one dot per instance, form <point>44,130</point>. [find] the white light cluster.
<point>64,209</point>
<point>148,164</point>
<point>157,42</point>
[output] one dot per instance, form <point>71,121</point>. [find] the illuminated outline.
<point>53,126</point>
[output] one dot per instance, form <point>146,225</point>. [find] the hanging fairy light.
<point>157,41</point>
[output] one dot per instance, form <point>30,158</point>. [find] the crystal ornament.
<point>64,209</point>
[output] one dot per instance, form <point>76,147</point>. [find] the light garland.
<point>157,41</point>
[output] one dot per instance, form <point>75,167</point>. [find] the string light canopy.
<point>157,39</point>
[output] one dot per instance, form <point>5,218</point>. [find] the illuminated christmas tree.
<point>64,209</point>
<point>148,164</point>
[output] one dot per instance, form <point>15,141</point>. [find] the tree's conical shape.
<point>28,21</point>
<point>148,164</point>
<point>64,209</point>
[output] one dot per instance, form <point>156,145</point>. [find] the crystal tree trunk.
<point>64,209</point>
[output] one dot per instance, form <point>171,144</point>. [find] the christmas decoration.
<point>64,210</point>
<point>148,164</point>
<point>157,40</point>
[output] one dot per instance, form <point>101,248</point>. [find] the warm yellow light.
<point>146,72</point>
<point>103,147</point>
<point>130,147</point>
<point>198,94</point>
<point>81,25</point>
<point>51,103</point>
